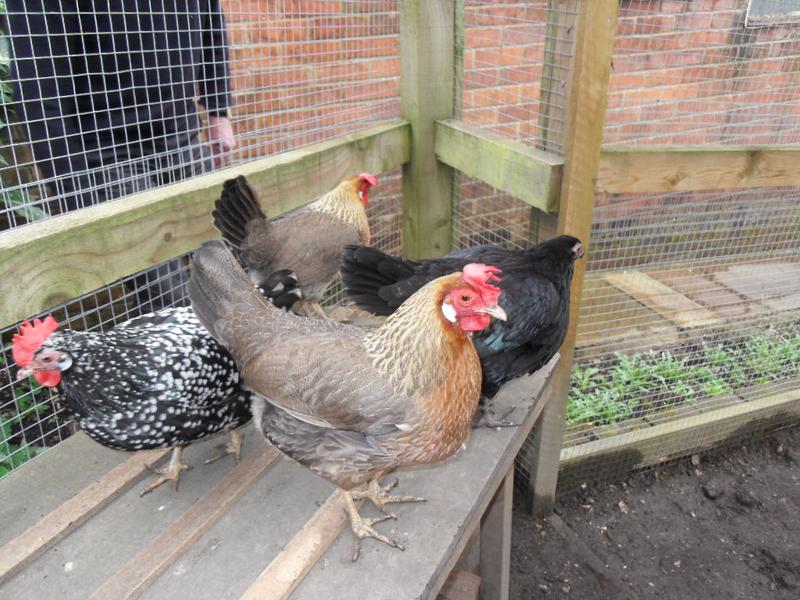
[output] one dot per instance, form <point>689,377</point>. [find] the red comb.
<point>30,338</point>
<point>369,178</point>
<point>483,278</point>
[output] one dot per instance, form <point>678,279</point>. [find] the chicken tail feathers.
<point>235,208</point>
<point>280,288</point>
<point>374,280</point>
<point>216,285</point>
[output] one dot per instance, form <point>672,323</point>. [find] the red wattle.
<point>48,378</point>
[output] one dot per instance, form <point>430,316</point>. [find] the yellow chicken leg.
<point>171,472</point>
<point>233,446</point>
<point>362,527</point>
<point>379,495</point>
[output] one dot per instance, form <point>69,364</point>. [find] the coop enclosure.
<point>664,133</point>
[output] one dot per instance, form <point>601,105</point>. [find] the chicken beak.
<point>496,311</point>
<point>24,372</point>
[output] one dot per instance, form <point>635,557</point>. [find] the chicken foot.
<point>313,309</point>
<point>171,472</point>
<point>233,446</point>
<point>379,495</point>
<point>486,416</point>
<point>362,527</point>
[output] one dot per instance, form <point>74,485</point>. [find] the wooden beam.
<point>74,512</point>
<point>518,169</point>
<point>47,263</point>
<point>426,88</point>
<point>585,117</point>
<point>686,169</point>
<point>496,543</point>
<point>298,557</point>
<point>644,447</point>
<point>144,568</point>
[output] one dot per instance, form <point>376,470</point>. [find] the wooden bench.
<point>74,525</point>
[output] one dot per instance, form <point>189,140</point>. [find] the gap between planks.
<point>56,525</point>
<point>144,568</point>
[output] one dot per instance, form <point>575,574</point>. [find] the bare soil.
<point>722,525</point>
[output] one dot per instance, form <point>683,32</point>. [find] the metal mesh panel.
<point>124,112</point>
<point>516,64</point>
<point>692,73</point>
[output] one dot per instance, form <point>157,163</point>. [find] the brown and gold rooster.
<point>305,246</point>
<point>353,405</point>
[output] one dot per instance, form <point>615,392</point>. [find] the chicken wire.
<point>300,72</point>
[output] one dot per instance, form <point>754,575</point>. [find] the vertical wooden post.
<point>426,90</point>
<point>496,543</point>
<point>584,119</point>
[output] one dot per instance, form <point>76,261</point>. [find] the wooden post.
<point>586,107</point>
<point>495,544</point>
<point>426,89</point>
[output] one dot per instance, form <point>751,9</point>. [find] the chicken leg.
<point>362,527</point>
<point>379,495</point>
<point>171,472</point>
<point>486,416</point>
<point>312,309</point>
<point>234,446</point>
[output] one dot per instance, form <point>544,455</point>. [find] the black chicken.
<point>535,294</point>
<point>156,381</point>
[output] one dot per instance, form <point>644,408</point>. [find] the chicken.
<point>307,244</point>
<point>353,405</point>
<point>535,292</point>
<point>156,381</point>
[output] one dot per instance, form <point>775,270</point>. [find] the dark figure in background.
<point>106,94</point>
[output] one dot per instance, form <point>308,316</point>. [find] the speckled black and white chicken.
<point>156,381</point>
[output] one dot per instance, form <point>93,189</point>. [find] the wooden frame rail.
<point>664,169</point>
<point>44,264</point>
<point>531,175</point>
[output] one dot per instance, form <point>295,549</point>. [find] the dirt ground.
<point>721,525</point>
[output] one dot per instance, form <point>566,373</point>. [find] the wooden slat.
<point>644,447</point>
<point>496,543</point>
<point>684,169</point>
<point>53,261</point>
<point>287,570</point>
<point>426,94</point>
<point>673,305</point>
<point>74,512</point>
<point>461,585</point>
<point>522,171</point>
<point>155,558</point>
<point>587,95</point>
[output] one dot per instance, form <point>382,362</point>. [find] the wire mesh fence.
<point>110,100</point>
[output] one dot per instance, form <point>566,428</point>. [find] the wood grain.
<point>427,29</point>
<point>531,175</point>
<point>686,169</point>
<point>661,298</point>
<point>165,549</point>
<point>56,260</point>
<point>74,512</point>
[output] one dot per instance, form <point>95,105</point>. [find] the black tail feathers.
<point>234,209</point>
<point>367,271</point>
<point>280,288</point>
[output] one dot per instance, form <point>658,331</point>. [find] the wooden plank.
<point>524,172</point>
<point>20,551</point>
<point>286,571</point>
<point>585,115</point>
<point>662,169</point>
<point>87,249</point>
<point>155,558</point>
<point>460,585</point>
<point>666,301</point>
<point>496,543</point>
<point>644,447</point>
<point>436,532</point>
<point>426,95</point>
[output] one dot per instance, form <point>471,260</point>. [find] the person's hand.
<point>220,134</point>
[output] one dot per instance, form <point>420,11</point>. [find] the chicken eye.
<point>465,298</point>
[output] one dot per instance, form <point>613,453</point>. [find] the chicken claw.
<point>171,472</point>
<point>379,495</point>
<point>362,527</point>
<point>234,446</point>
<point>487,417</point>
